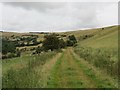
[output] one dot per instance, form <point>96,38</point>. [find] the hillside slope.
<point>108,37</point>
<point>93,63</point>
<point>101,50</point>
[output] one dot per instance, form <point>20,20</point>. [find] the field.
<point>91,63</point>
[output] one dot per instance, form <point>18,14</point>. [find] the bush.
<point>10,55</point>
<point>8,46</point>
<point>62,43</point>
<point>18,53</point>
<point>32,49</point>
<point>39,49</point>
<point>52,42</point>
<point>71,40</point>
<point>70,43</point>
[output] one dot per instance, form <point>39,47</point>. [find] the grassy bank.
<point>102,58</point>
<point>26,76</point>
<point>101,50</point>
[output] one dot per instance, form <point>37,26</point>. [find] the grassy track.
<point>70,72</point>
<point>45,71</point>
<point>64,70</point>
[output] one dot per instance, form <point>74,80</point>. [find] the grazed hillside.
<point>103,38</point>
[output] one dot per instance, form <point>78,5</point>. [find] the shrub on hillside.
<point>18,53</point>
<point>39,49</point>
<point>62,43</point>
<point>8,46</point>
<point>52,42</point>
<point>71,40</point>
<point>10,55</point>
<point>9,49</point>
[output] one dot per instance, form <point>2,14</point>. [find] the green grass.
<point>66,73</point>
<point>101,50</point>
<point>25,76</point>
<point>102,58</point>
<point>100,81</point>
<point>107,38</point>
<point>71,72</point>
<point>53,79</point>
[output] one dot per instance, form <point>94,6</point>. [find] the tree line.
<point>51,42</point>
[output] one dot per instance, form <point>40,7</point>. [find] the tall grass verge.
<point>105,59</point>
<point>26,77</point>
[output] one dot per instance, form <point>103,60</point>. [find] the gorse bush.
<point>102,58</point>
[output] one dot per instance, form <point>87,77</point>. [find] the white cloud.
<point>108,15</point>
<point>59,0</point>
<point>25,17</point>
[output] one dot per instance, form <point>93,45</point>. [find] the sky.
<point>56,16</point>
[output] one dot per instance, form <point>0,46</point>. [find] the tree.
<point>62,43</point>
<point>18,52</point>
<point>8,46</point>
<point>34,41</point>
<point>70,43</point>
<point>39,49</point>
<point>51,42</point>
<point>71,40</point>
<point>22,44</point>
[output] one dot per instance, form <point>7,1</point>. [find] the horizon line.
<point>60,31</point>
